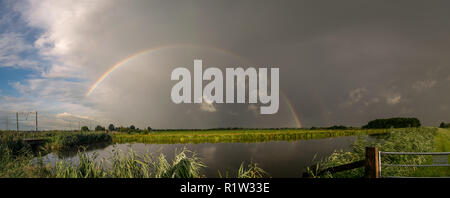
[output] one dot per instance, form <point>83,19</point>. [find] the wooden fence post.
<point>371,165</point>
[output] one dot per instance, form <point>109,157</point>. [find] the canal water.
<point>279,158</point>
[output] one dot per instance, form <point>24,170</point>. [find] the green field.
<point>441,144</point>
<point>16,154</point>
<point>238,136</point>
<point>424,139</point>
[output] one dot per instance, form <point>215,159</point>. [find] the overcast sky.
<point>341,62</point>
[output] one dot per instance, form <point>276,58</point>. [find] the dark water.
<point>278,158</point>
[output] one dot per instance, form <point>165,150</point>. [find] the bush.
<point>392,123</point>
<point>73,141</point>
<point>15,157</point>
<point>99,128</point>
<point>444,125</point>
<point>340,127</point>
<point>84,128</point>
<point>398,140</point>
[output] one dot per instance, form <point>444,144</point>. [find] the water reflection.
<point>278,158</point>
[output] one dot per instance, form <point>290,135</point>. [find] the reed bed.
<point>237,136</point>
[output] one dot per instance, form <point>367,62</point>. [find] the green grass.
<point>17,161</point>
<point>15,157</point>
<point>75,141</point>
<point>236,136</point>
<point>398,140</point>
<point>441,144</point>
<point>186,164</point>
<point>60,140</point>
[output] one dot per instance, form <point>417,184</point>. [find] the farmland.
<point>122,154</point>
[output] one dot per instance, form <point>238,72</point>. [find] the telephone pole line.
<point>7,128</point>
<point>17,121</point>
<point>36,121</point>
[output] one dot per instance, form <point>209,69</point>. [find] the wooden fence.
<point>371,165</point>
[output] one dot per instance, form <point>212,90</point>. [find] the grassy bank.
<point>232,136</point>
<point>16,161</point>
<point>398,140</point>
<point>58,140</point>
<point>75,141</point>
<point>15,158</point>
<point>441,144</point>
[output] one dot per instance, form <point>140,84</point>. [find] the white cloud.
<point>207,105</point>
<point>11,46</point>
<point>254,109</point>
<point>424,84</point>
<point>393,98</point>
<point>69,115</point>
<point>355,96</point>
<point>53,89</point>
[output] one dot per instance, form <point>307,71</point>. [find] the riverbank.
<point>425,139</point>
<point>18,164</point>
<point>238,136</point>
<point>16,155</point>
<point>441,144</point>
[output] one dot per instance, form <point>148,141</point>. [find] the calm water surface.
<point>278,158</point>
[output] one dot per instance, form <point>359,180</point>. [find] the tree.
<point>444,125</point>
<point>111,127</point>
<point>340,127</point>
<point>84,128</point>
<point>132,127</point>
<point>392,123</point>
<point>149,128</point>
<point>99,128</point>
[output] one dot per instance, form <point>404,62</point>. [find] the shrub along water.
<point>185,164</point>
<point>131,165</point>
<point>76,140</point>
<point>398,140</point>
<point>15,158</point>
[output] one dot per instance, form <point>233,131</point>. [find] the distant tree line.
<point>444,125</point>
<point>111,127</point>
<point>392,123</point>
<point>335,127</point>
<point>226,128</point>
<point>374,124</point>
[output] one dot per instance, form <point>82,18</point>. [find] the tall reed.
<point>131,165</point>
<point>397,140</point>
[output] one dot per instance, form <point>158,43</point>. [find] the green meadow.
<point>238,136</point>
<point>20,159</point>
<point>423,139</point>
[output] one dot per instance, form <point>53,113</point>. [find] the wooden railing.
<point>371,165</point>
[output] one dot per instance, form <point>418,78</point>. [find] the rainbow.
<point>114,68</point>
<point>292,110</point>
<point>133,56</point>
<point>127,59</point>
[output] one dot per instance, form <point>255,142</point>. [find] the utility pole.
<point>36,121</point>
<point>7,128</point>
<point>17,121</point>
